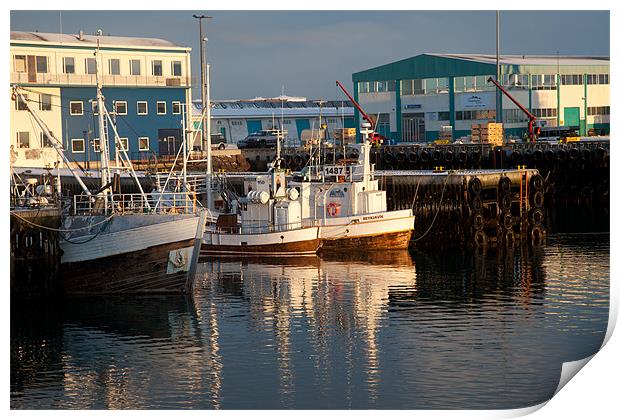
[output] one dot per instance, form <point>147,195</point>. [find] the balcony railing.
<point>90,80</point>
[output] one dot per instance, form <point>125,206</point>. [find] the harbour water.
<point>411,330</point>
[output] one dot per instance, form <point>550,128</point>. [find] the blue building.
<point>147,87</point>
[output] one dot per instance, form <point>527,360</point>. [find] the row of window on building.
<point>90,66</point>
<point>78,145</point>
<point>598,110</point>
<point>479,83</point>
<point>119,107</point>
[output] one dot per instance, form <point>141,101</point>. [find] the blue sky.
<point>254,53</point>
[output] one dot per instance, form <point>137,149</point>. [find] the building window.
<point>20,104</point>
<point>77,145</point>
<point>418,87</point>
<point>115,66</point>
<point>20,63</point>
<point>68,65</point>
<point>76,108</point>
<point>45,140</point>
<point>545,112</point>
<point>511,116</point>
<point>95,108</point>
<point>598,79</point>
<point>134,67</point>
<point>176,68</point>
<point>41,64</point>
<point>407,87</point>
<point>572,79</point>
<point>143,107</point>
<point>120,107</point>
<point>442,85</point>
<point>157,68</point>
<point>45,102</point>
<point>363,87</point>
<point>481,114</point>
<point>513,81</point>
<point>23,139</point>
<point>124,143</point>
<point>91,66</point>
<point>176,107</point>
<point>543,82</point>
<point>143,143</point>
<point>598,110</point>
<point>443,116</point>
<point>161,108</point>
<point>96,145</point>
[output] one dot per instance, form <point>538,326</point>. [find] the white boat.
<point>345,201</point>
<point>124,243</point>
<point>266,221</point>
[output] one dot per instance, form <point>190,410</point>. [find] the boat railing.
<point>250,227</point>
<point>151,203</point>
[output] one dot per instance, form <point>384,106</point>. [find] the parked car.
<point>260,140</point>
<point>218,141</point>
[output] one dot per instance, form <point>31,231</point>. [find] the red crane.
<point>375,137</point>
<point>530,125</point>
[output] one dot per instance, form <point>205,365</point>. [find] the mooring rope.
<point>62,230</point>
<point>445,183</point>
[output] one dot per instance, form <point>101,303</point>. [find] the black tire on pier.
<point>537,235</point>
<point>537,182</point>
<point>506,220</point>
<point>537,216</point>
<point>476,203</point>
<point>475,186</point>
<point>505,202</point>
<point>477,221</point>
<point>509,238</point>
<point>480,239</point>
<point>538,199</point>
<point>504,185</point>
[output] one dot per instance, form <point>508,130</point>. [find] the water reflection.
<point>389,330</point>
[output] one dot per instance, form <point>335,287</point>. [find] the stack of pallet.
<point>489,132</point>
<point>345,134</point>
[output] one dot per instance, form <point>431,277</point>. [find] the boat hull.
<point>390,230</point>
<point>144,271</point>
<point>375,242</point>
<point>133,254</point>
<point>287,243</point>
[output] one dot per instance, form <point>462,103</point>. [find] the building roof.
<point>454,65</point>
<point>529,60</point>
<point>258,108</point>
<point>91,40</point>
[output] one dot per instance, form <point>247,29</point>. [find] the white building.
<point>236,119</point>
<point>415,97</point>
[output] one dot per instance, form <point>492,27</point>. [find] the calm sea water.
<point>393,331</point>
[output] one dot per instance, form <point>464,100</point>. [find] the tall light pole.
<point>203,81</point>
<point>206,116</point>
<point>498,94</point>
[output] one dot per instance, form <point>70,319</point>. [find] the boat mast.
<point>103,139</point>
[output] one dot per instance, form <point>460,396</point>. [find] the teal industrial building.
<point>414,99</point>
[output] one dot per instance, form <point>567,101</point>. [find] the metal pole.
<point>209,167</point>
<point>498,94</point>
<point>202,72</point>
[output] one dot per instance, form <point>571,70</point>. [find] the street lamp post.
<point>206,116</point>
